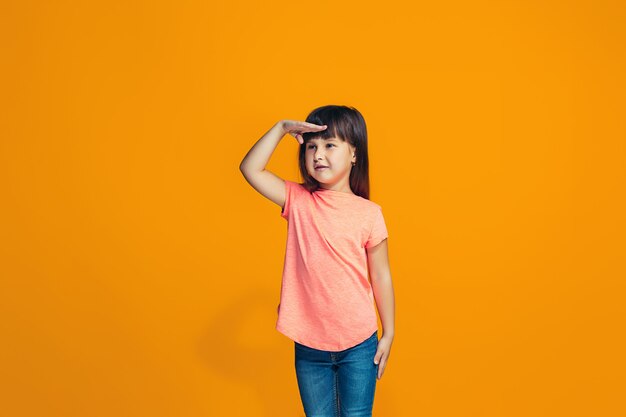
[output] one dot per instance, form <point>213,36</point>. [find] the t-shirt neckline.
<point>326,190</point>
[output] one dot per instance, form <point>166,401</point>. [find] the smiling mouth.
<point>316,168</point>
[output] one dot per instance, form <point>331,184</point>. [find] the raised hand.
<point>296,128</point>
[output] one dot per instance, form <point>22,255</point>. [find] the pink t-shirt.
<point>326,299</point>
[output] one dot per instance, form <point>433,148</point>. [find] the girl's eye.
<point>312,146</point>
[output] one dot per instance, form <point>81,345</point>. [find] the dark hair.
<point>347,124</point>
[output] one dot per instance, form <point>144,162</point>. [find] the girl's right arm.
<point>253,164</point>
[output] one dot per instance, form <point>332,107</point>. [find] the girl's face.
<point>334,154</point>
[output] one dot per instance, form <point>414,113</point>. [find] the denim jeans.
<point>337,384</point>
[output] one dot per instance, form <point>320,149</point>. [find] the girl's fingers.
<point>307,127</point>
<point>314,126</point>
<point>381,369</point>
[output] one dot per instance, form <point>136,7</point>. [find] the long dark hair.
<point>347,124</point>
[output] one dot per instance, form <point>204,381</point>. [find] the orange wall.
<point>140,273</point>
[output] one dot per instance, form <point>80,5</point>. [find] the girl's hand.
<point>382,354</point>
<point>296,128</point>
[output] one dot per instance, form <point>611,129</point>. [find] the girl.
<point>336,236</point>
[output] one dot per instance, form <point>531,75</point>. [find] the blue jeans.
<point>337,384</point>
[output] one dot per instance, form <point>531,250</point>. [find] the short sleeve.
<point>378,231</point>
<point>290,196</point>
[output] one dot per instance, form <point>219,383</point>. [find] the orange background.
<point>140,273</point>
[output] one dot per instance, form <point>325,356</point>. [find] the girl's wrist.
<point>280,126</point>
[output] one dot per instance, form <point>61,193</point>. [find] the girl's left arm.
<point>378,263</point>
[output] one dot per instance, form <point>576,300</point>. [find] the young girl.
<point>336,236</point>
